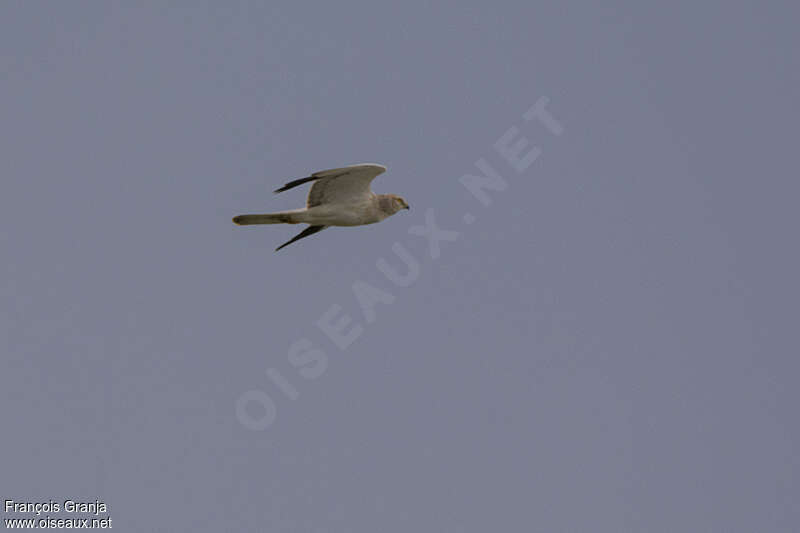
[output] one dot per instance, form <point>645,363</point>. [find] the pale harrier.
<point>338,197</point>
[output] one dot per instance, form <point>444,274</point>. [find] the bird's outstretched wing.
<point>311,230</point>
<point>338,185</point>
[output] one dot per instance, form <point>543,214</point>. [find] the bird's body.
<point>338,197</point>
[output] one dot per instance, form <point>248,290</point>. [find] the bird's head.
<point>391,203</point>
<point>401,203</point>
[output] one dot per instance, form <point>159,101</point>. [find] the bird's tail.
<point>284,217</point>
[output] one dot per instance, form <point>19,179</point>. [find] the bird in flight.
<point>338,197</point>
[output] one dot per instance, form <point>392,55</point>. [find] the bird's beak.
<point>408,207</point>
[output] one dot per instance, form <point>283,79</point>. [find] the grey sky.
<point>610,346</point>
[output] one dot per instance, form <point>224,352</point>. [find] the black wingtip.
<point>294,183</point>
<point>310,230</point>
